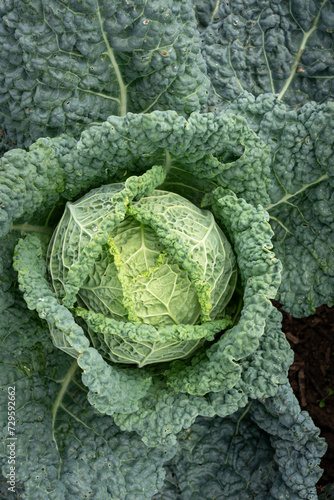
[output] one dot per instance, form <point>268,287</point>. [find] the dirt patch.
<point>312,375</point>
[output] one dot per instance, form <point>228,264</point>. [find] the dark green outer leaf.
<point>269,451</point>
<point>65,65</point>
<point>279,47</point>
<point>54,169</point>
<point>204,10</point>
<point>64,448</point>
<point>302,201</point>
<point>283,47</point>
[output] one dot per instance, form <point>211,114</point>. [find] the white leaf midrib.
<point>110,53</point>
<point>306,36</point>
<point>58,401</point>
<point>301,190</point>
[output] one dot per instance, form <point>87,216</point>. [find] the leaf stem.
<point>244,413</point>
<point>110,52</point>
<point>64,386</point>
<point>300,52</point>
<point>29,228</point>
<point>216,9</point>
<point>291,195</point>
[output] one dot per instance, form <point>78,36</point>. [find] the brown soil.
<point>312,375</point>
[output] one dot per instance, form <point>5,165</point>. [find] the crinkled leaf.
<point>164,412</point>
<point>218,368</point>
<point>269,451</point>
<point>128,386</point>
<point>65,449</point>
<point>284,48</point>
<point>198,245</point>
<point>214,369</point>
<point>302,202</point>
<point>123,342</point>
<point>31,182</point>
<point>64,66</point>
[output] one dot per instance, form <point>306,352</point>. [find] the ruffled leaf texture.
<point>33,182</point>
<point>283,48</point>
<point>292,176</point>
<point>147,405</point>
<point>65,65</point>
<point>268,451</point>
<point>272,63</point>
<point>68,449</point>
<point>301,192</point>
<point>112,151</point>
<point>64,447</point>
<point>217,369</point>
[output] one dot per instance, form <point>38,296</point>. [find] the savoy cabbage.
<point>167,170</point>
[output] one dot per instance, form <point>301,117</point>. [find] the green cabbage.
<point>234,102</point>
<point>167,263</point>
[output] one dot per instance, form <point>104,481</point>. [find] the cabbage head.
<point>139,273</point>
<point>142,288</point>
